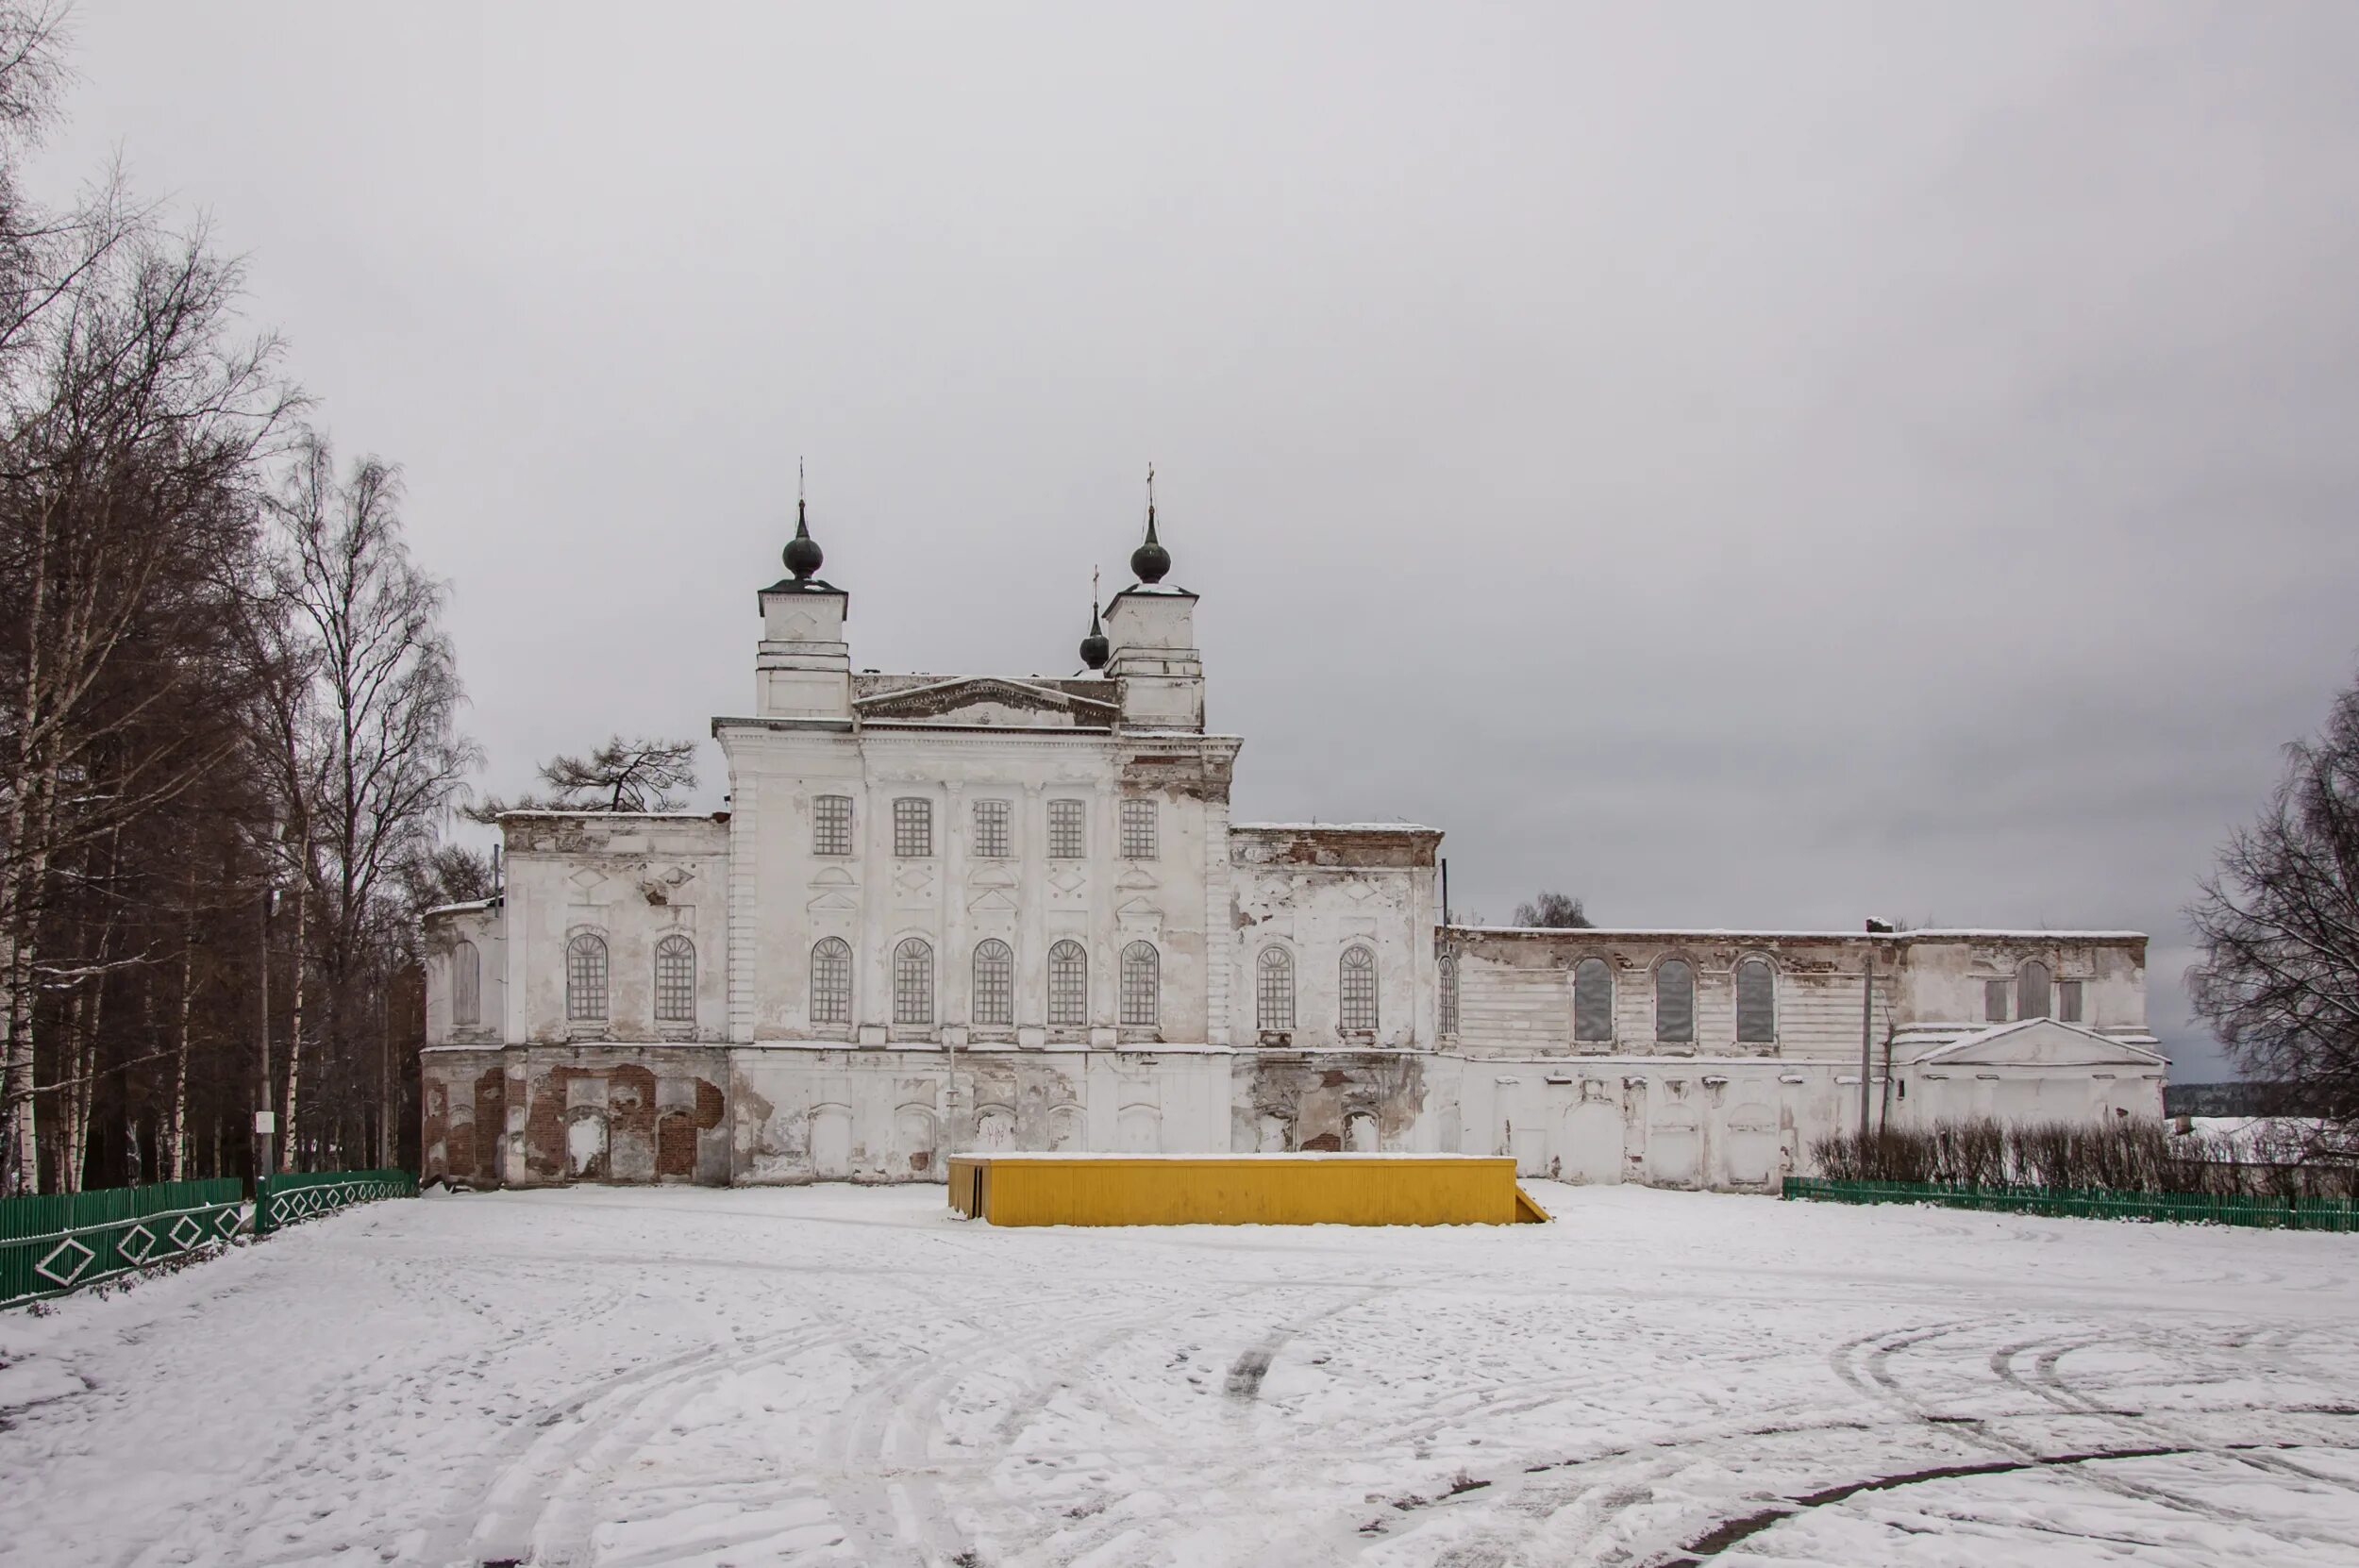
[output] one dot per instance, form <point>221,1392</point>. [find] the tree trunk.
<point>290,1098</point>
<point>175,1159</point>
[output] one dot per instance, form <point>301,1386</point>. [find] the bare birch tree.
<point>373,757</point>
<point>121,489</point>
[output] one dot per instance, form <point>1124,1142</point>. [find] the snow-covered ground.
<point>843,1375</point>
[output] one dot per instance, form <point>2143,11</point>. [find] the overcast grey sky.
<point>1741,464</point>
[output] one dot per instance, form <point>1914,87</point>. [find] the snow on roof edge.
<point>1945,933</point>
<point>1330,828</point>
<point>463,906</point>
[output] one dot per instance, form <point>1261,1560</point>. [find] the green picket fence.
<point>67,1241</point>
<point>284,1200</point>
<point>2094,1203</point>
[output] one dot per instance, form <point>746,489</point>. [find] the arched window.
<point>1068,986</point>
<point>676,981</point>
<point>995,983</point>
<point>466,986</point>
<point>1447,1023</point>
<point>1355,992</point>
<point>1674,1000</point>
<point>831,981</point>
<point>1142,985</point>
<point>1593,1001</point>
<point>2031,991</point>
<point>913,982</point>
<point>1756,1002</point>
<point>585,980</point>
<point>1274,991</point>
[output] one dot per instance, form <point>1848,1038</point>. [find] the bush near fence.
<point>63,1242</point>
<point>2131,1156</point>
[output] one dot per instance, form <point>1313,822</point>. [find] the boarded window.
<point>913,828</point>
<point>1675,1001</point>
<point>2068,1001</point>
<point>466,986</point>
<point>2031,991</point>
<point>1449,994</point>
<point>1994,1001</point>
<point>831,981</point>
<point>995,983</point>
<point>991,829</point>
<point>1068,986</point>
<point>1138,829</point>
<point>1066,838</point>
<point>1274,989</point>
<point>832,826</point>
<point>1756,1003</point>
<point>1593,1002</point>
<point>1142,985</point>
<point>585,980</point>
<point>1355,992</point>
<point>676,981</point>
<point>913,982</point>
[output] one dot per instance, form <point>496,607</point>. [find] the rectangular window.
<point>832,826</point>
<point>1066,838</point>
<point>2068,1001</point>
<point>1994,1001</point>
<point>991,829</point>
<point>1138,829</point>
<point>913,828</point>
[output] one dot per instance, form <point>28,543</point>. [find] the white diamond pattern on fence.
<point>78,1257</point>
<point>58,1247</point>
<point>136,1244</point>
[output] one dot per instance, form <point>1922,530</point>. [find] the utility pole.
<point>265,1123</point>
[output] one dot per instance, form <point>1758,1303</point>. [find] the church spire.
<point>1151,560</point>
<point>1096,649</point>
<point>802,554</point>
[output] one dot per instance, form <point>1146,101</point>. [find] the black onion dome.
<point>1151,560</point>
<point>1096,649</point>
<point>803,556</point>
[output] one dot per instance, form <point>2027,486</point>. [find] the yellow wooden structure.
<point>1239,1189</point>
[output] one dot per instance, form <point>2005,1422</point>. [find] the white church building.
<point>960,912</point>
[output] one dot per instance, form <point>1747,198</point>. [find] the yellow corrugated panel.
<point>1016,1190</point>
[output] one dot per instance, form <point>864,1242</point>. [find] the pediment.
<point>984,700</point>
<point>991,902</point>
<point>2041,1042</point>
<point>832,877</point>
<point>834,903</point>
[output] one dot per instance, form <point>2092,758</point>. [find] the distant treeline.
<point>2235,1099</point>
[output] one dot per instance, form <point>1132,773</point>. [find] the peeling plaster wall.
<point>449,933</point>
<point>1314,892</point>
<point>632,880</point>
<point>817,1114</point>
<point>1516,987</point>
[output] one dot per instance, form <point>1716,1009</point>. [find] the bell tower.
<point>803,667</point>
<point>1151,629</point>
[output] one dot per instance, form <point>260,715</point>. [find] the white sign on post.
<point>266,1121</point>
